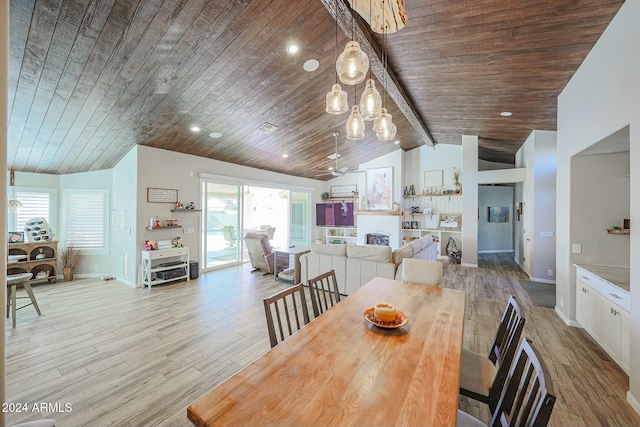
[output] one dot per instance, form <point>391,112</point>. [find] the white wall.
<point>124,201</point>
<point>601,98</point>
<point>538,196</point>
<point>441,157</point>
<point>495,236</point>
<point>600,199</point>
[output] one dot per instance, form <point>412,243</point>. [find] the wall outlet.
<point>576,248</point>
<point>549,272</point>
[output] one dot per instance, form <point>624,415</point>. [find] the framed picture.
<point>162,195</point>
<point>15,237</point>
<point>379,188</point>
<point>498,214</point>
<point>414,225</point>
<point>450,221</point>
<point>343,190</point>
<point>433,178</point>
<point>406,225</point>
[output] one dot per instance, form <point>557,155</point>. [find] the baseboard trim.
<point>633,402</point>
<point>497,252</point>
<point>548,281</point>
<point>566,320</point>
<point>464,264</point>
<point>126,281</point>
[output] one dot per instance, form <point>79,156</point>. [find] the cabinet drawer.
<point>607,290</point>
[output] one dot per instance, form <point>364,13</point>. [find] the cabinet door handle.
<point>615,296</point>
<point>584,277</point>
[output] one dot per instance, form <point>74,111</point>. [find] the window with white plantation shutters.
<point>86,219</point>
<point>34,205</point>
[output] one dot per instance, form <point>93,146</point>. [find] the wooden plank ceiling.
<point>89,79</point>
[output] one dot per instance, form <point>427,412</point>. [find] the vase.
<point>457,187</point>
<point>67,272</point>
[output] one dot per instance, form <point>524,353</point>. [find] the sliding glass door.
<point>222,224</point>
<point>299,218</point>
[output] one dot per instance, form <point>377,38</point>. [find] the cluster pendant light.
<point>352,67</point>
<point>383,125</point>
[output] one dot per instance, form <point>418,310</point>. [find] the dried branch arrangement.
<point>70,257</point>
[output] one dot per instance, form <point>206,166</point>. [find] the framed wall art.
<point>498,214</point>
<point>15,237</point>
<point>162,195</point>
<point>379,188</point>
<point>451,222</point>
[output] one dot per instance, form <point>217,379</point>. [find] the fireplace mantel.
<point>392,213</point>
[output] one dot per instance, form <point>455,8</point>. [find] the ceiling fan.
<point>338,171</point>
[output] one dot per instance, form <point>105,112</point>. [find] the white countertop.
<point>617,276</point>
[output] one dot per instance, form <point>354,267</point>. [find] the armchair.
<point>260,253</point>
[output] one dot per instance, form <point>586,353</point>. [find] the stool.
<point>13,281</point>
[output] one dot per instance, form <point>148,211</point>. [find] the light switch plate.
<point>576,248</point>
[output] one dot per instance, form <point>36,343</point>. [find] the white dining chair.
<point>421,271</point>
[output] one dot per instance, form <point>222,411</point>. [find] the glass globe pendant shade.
<point>352,64</point>
<point>370,102</point>
<point>337,100</point>
<point>388,133</point>
<point>355,124</point>
<point>383,120</point>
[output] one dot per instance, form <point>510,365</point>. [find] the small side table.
<point>282,262</point>
<point>13,281</point>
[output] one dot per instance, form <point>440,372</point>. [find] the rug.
<point>542,294</point>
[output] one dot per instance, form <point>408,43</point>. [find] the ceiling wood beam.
<point>370,46</point>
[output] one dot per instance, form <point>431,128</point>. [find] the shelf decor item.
<point>70,259</point>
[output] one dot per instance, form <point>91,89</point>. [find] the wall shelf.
<point>410,196</point>
<point>163,227</point>
<point>186,210</point>
<point>610,231</point>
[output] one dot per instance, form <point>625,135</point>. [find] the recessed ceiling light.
<point>195,129</point>
<point>397,142</point>
<point>331,168</point>
<point>311,65</point>
<point>285,155</point>
<point>506,113</point>
<point>215,135</point>
<point>293,48</point>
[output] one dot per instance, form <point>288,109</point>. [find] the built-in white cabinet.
<point>602,309</point>
<point>589,309</point>
<point>337,235</point>
<point>422,214</point>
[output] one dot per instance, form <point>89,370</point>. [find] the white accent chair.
<point>421,271</point>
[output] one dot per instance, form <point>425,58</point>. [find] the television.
<point>338,214</point>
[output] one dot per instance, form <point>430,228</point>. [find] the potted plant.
<point>70,259</point>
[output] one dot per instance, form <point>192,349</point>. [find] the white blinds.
<point>86,219</point>
<point>34,205</point>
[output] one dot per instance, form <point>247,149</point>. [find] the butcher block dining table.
<point>341,370</point>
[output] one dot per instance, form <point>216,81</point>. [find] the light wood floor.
<point>129,357</point>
